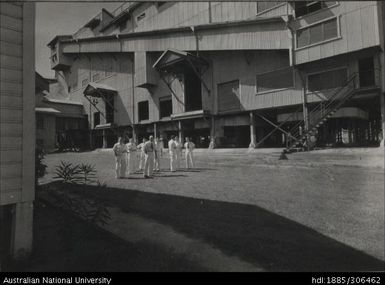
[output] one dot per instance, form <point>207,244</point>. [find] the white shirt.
<point>171,145</point>
<point>131,147</point>
<point>119,149</point>
<point>189,146</point>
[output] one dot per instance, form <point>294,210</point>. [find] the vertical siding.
<point>16,102</point>
<point>358,30</point>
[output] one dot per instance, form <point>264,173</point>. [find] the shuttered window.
<point>317,33</point>
<point>266,5</point>
<point>275,80</point>
<point>327,80</point>
<point>228,96</point>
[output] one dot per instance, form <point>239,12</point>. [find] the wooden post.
<point>253,137</point>
<point>155,130</point>
<point>22,226</point>
<point>180,132</point>
<point>104,138</point>
<point>305,113</point>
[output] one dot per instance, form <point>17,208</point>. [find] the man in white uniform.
<point>178,152</point>
<point>189,147</point>
<point>120,152</point>
<point>172,150</point>
<point>141,155</point>
<point>131,157</point>
<point>158,154</point>
<point>149,149</point>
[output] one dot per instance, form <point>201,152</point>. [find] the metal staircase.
<point>300,136</point>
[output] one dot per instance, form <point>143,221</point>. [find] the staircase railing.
<point>321,113</point>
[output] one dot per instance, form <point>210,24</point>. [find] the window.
<point>141,17</point>
<point>85,82</point>
<point>263,6</point>
<point>39,122</point>
<point>307,7</point>
<point>228,96</point>
<point>366,72</point>
<point>327,79</point>
<point>317,33</point>
<point>165,106</point>
<point>109,102</point>
<point>143,111</point>
<point>96,77</point>
<point>274,80</point>
<point>96,119</point>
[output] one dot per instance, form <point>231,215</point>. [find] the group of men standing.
<point>149,153</point>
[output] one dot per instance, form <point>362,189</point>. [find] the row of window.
<point>165,108</point>
<point>301,8</point>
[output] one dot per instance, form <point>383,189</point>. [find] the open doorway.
<point>192,91</point>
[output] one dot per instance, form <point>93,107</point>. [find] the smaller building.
<point>60,123</point>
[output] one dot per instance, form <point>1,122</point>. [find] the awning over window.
<point>47,110</point>
<point>190,115</point>
<point>99,90</point>
<point>176,61</point>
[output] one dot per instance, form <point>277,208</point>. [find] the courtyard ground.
<point>322,210</point>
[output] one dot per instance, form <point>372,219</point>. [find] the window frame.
<point>162,99</point>
<point>314,12</point>
<point>324,71</point>
<point>240,96</point>
<point>277,89</point>
<point>270,9</point>
<point>337,17</point>
<point>148,111</point>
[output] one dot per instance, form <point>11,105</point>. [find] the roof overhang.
<point>190,115</point>
<point>99,90</point>
<point>47,110</point>
<point>176,61</point>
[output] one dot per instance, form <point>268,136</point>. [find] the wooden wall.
<point>358,22</point>
<point>17,102</point>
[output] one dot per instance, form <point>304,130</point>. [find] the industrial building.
<point>240,74</point>
<point>60,123</point>
<point>17,128</point>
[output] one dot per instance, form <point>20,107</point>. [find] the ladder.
<point>323,111</point>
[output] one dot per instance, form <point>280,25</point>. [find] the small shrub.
<point>68,173</point>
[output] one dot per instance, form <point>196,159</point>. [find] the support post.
<point>212,144</point>
<point>305,114</point>
<point>22,226</point>
<point>155,136</point>
<point>104,138</point>
<point>180,132</point>
<point>382,94</point>
<point>253,137</point>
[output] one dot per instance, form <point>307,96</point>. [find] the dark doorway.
<point>192,91</point>
<point>200,137</point>
<point>236,136</point>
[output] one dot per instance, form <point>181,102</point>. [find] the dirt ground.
<point>336,194</point>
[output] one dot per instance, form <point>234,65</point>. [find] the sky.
<point>60,18</point>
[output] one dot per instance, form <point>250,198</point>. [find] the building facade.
<point>60,123</point>
<point>243,74</point>
<point>17,128</point>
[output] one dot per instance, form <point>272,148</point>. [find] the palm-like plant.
<point>88,173</point>
<point>68,172</point>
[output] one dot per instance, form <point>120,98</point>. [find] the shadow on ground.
<point>249,232</point>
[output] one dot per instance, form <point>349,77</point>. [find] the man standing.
<point>141,156</point>
<point>158,154</point>
<point>189,146</point>
<point>148,149</point>
<point>120,151</point>
<point>178,152</point>
<point>172,150</point>
<point>131,157</point>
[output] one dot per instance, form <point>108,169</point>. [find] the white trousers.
<point>157,162</point>
<point>141,160</point>
<point>178,158</point>
<point>189,159</point>
<point>120,166</point>
<point>131,162</point>
<point>148,164</point>
<point>172,160</point>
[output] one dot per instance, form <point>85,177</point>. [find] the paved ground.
<point>338,194</point>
